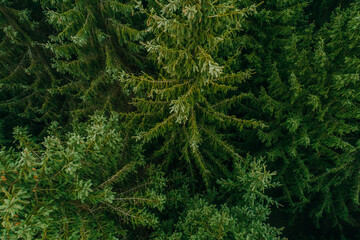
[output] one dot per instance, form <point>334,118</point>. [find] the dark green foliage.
<point>322,10</point>
<point>94,42</point>
<point>238,209</point>
<point>259,44</point>
<point>76,185</point>
<point>60,58</point>
<point>25,67</point>
<point>197,85</point>
<point>263,35</point>
<point>313,112</point>
<point>186,102</point>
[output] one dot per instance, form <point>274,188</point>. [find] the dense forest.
<point>180,119</point>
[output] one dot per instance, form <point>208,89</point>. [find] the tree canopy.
<point>173,119</point>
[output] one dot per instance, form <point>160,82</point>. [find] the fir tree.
<point>238,209</point>
<point>76,185</point>
<point>221,79</point>
<point>184,105</point>
<point>94,43</point>
<point>312,109</point>
<point>257,45</point>
<point>263,36</point>
<point>25,67</point>
<point>321,11</point>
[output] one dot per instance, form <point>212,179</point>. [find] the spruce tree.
<point>184,107</point>
<point>238,208</point>
<point>88,183</point>
<point>257,45</point>
<point>312,109</point>
<point>94,43</point>
<point>59,58</point>
<point>263,36</point>
<point>221,79</point>
<point>25,66</point>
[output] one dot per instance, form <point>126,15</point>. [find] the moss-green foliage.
<point>201,89</point>
<point>91,183</point>
<point>62,59</point>
<point>25,66</point>
<point>186,102</point>
<point>236,208</point>
<point>312,108</point>
<point>94,42</point>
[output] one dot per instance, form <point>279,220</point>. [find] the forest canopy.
<point>180,119</point>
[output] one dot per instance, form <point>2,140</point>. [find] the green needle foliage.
<point>94,42</point>
<point>76,185</point>
<point>64,57</point>
<point>265,33</point>
<point>25,66</point>
<point>313,112</point>
<point>185,104</point>
<point>240,214</point>
<point>185,89</point>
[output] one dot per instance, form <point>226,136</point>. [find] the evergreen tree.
<point>94,43</point>
<point>222,79</point>
<point>76,185</point>
<point>25,67</point>
<point>312,109</point>
<point>62,57</point>
<point>238,209</point>
<point>184,106</point>
<point>320,11</point>
<point>263,36</point>
<point>257,45</point>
